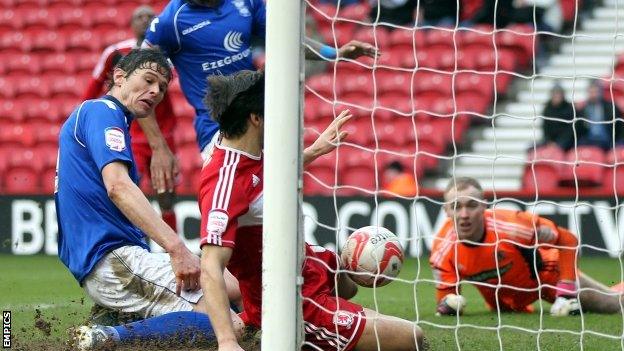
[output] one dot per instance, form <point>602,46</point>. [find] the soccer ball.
<point>374,255</point>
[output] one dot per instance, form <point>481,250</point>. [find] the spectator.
<point>440,13</point>
<point>557,131</point>
<point>398,181</point>
<point>398,12</point>
<point>597,120</point>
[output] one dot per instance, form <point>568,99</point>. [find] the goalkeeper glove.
<point>566,303</point>
<point>451,305</point>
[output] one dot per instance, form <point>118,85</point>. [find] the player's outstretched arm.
<point>351,50</point>
<point>134,205</point>
<point>328,140</point>
<point>213,262</point>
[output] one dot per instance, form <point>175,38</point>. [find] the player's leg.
<point>329,262</point>
<point>598,298</point>
<point>388,333</point>
<point>165,202</point>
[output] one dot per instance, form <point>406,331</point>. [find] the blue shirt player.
<point>207,37</point>
<point>103,216</point>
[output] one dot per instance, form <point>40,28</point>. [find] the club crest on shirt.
<point>343,319</point>
<point>115,139</point>
<point>217,223</point>
<point>241,7</point>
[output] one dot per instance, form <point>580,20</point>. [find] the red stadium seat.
<point>356,87</point>
<point>184,134</point>
<point>589,169</point>
<point>477,38</point>
<point>32,86</point>
<point>358,181</point>
<point>7,87</point>
<point>42,40</point>
<point>399,83</point>
<point>407,38</point>
<point>10,20</point>
<point>441,39</point>
<point>322,84</point>
<point>47,181</point>
<point>319,180</point>
<point>37,18</point>
<point>23,181</point>
<point>337,36</point>
<point>190,160</point>
<point>519,38</point>
<point>82,41</point>
<point>543,169</point>
<point>73,18</point>
<point>24,64</point>
<point>377,36</point>
<point>41,111</point>
<point>59,63</point>
<point>433,85</point>
<point>47,135</point>
<point>11,42</point>
<point>355,12</point>
<point>68,86</point>
<point>45,156</point>
<point>614,175</point>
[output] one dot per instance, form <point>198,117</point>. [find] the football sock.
<point>176,327</point>
<point>169,217</point>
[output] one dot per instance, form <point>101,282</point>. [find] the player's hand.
<point>451,305</point>
<point>331,136</point>
<point>566,303</point>
<point>565,307</point>
<point>164,170</point>
<point>186,268</point>
<point>355,49</point>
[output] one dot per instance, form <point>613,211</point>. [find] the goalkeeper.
<point>512,257</point>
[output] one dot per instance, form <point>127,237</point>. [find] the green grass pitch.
<point>39,282</point>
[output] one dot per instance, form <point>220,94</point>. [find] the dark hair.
<point>143,58</point>
<point>232,99</point>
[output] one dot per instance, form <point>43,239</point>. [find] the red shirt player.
<point>512,257</point>
<point>165,116</point>
<point>231,233</point>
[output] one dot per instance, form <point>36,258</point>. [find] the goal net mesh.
<point>466,88</point>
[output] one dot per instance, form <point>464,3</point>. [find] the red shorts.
<point>330,322</point>
<point>142,159</point>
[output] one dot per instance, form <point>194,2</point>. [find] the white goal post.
<point>282,165</point>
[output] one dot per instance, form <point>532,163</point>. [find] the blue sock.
<point>175,327</point>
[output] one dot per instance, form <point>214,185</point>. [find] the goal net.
<point>523,96</point>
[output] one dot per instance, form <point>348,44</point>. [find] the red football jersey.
<point>111,55</point>
<point>230,200</point>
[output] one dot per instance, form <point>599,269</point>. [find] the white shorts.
<point>132,279</point>
<point>206,152</point>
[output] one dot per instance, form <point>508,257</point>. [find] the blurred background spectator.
<point>399,12</point>
<point>398,181</point>
<point>597,126</point>
<point>558,132</point>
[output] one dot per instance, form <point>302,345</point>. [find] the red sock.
<point>170,218</point>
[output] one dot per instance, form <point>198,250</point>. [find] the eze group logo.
<point>233,41</point>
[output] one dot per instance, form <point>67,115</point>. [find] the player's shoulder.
<point>101,105</point>
<point>172,9</point>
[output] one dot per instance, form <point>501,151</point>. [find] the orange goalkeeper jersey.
<point>515,255</point>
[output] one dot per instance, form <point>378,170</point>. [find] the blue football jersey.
<point>202,41</point>
<point>90,225</point>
